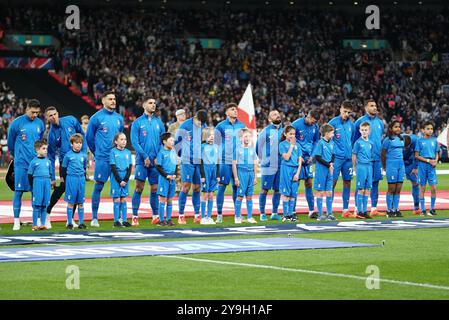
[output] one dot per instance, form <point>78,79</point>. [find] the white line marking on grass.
<point>323,273</point>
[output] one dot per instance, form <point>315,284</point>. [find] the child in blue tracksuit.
<point>244,168</point>
<point>362,158</point>
<point>166,162</point>
<point>39,173</point>
<point>393,163</point>
<point>426,152</point>
<point>73,170</point>
<point>324,170</point>
<point>210,174</point>
<point>291,162</point>
<point>121,165</point>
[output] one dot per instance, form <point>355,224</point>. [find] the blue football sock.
<point>291,207</point>
<point>161,210</point>
<point>220,199</point>
<point>81,215</point>
<point>432,203</point>
<point>276,200</point>
<point>17,203</point>
<point>389,201</point>
<point>329,205</point>
<point>69,215</point>
<point>374,194</point>
<point>415,194</point>
<point>360,204</point>
<point>423,204</point>
<point>96,194</point>
<point>43,215</point>
<point>396,198</point>
<point>319,205</point>
<point>124,210</point>
<point>169,210</point>
<point>310,199</point>
<point>238,208</point>
<point>203,209</point>
<point>196,200</point>
<point>135,202</point>
<point>182,202</point>
<point>346,194</point>
<point>210,206</point>
<point>154,203</point>
<point>262,202</point>
<point>249,208</point>
<point>356,197</point>
<point>116,211</point>
<point>285,208</point>
<point>365,203</point>
<point>36,212</point>
<point>234,193</point>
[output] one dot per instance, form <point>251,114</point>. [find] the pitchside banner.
<point>26,63</point>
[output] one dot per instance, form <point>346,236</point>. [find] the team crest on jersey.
<point>24,137</point>
<point>69,129</point>
<point>189,138</point>
<point>144,133</point>
<point>105,129</point>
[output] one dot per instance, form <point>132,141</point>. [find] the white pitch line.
<point>331,274</point>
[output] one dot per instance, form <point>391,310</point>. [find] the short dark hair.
<point>347,104</point>
<point>407,140</point>
<point>428,123</point>
<point>315,114</point>
<point>368,101</point>
<point>107,92</point>
<point>201,115</point>
<point>286,130</point>
<point>51,108</point>
<point>325,128</point>
<point>165,136</point>
<point>33,103</point>
<point>365,124</point>
<point>39,143</point>
<point>230,105</point>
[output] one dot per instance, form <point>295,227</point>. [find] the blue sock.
<point>182,202</point>
<point>249,208</point>
<point>238,208</point>
<point>135,202</point>
<point>96,199</point>
<point>43,214</point>
<point>210,206</point>
<point>81,215</point>
<point>346,194</point>
<point>389,201</point>
<point>220,199</point>
<point>310,199</point>
<point>285,208</point>
<point>196,200</point>
<point>36,211</point>
<point>234,193</point>
<point>374,194</point>
<point>262,202</point>
<point>319,205</point>
<point>276,200</point>
<point>116,211</point>
<point>17,203</point>
<point>124,210</point>
<point>154,203</point>
<point>329,205</point>
<point>291,207</point>
<point>432,203</point>
<point>169,210</point>
<point>423,204</point>
<point>356,197</point>
<point>365,203</point>
<point>203,209</point>
<point>69,215</point>
<point>415,194</point>
<point>396,198</point>
<point>360,204</point>
<point>161,210</point>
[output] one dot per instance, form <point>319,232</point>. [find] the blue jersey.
<point>307,136</point>
<point>376,134</point>
<point>325,149</point>
<point>343,137</point>
<point>363,149</point>
<point>245,157</point>
<point>188,140</point>
<point>121,159</point>
<point>409,153</point>
<point>40,167</point>
<point>267,147</point>
<point>146,137</point>
<point>394,147</point>
<point>427,147</point>
<point>209,154</point>
<point>167,159</point>
<point>75,162</point>
<point>284,146</point>
<point>59,139</point>
<point>22,134</point>
<point>226,138</point>
<point>102,128</point>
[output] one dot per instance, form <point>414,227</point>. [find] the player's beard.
<point>276,122</point>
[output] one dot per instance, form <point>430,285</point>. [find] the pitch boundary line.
<point>323,273</point>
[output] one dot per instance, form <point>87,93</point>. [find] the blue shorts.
<point>413,177</point>
<point>116,190</point>
<point>324,180</point>
<point>143,173</point>
<point>287,186</point>
<point>426,173</point>
<point>364,177</point>
<point>395,171</point>
<point>41,191</point>
<point>377,171</point>
<point>210,185</point>
<point>345,167</point>
<point>21,182</point>
<point>102,170</point>
<point>166,188</point>
<point>246,179</point>
<point>306,171</point>
<point>271,182</point>
<point>226,175</point>
<point>191,173</point>
<point>74,189</point>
